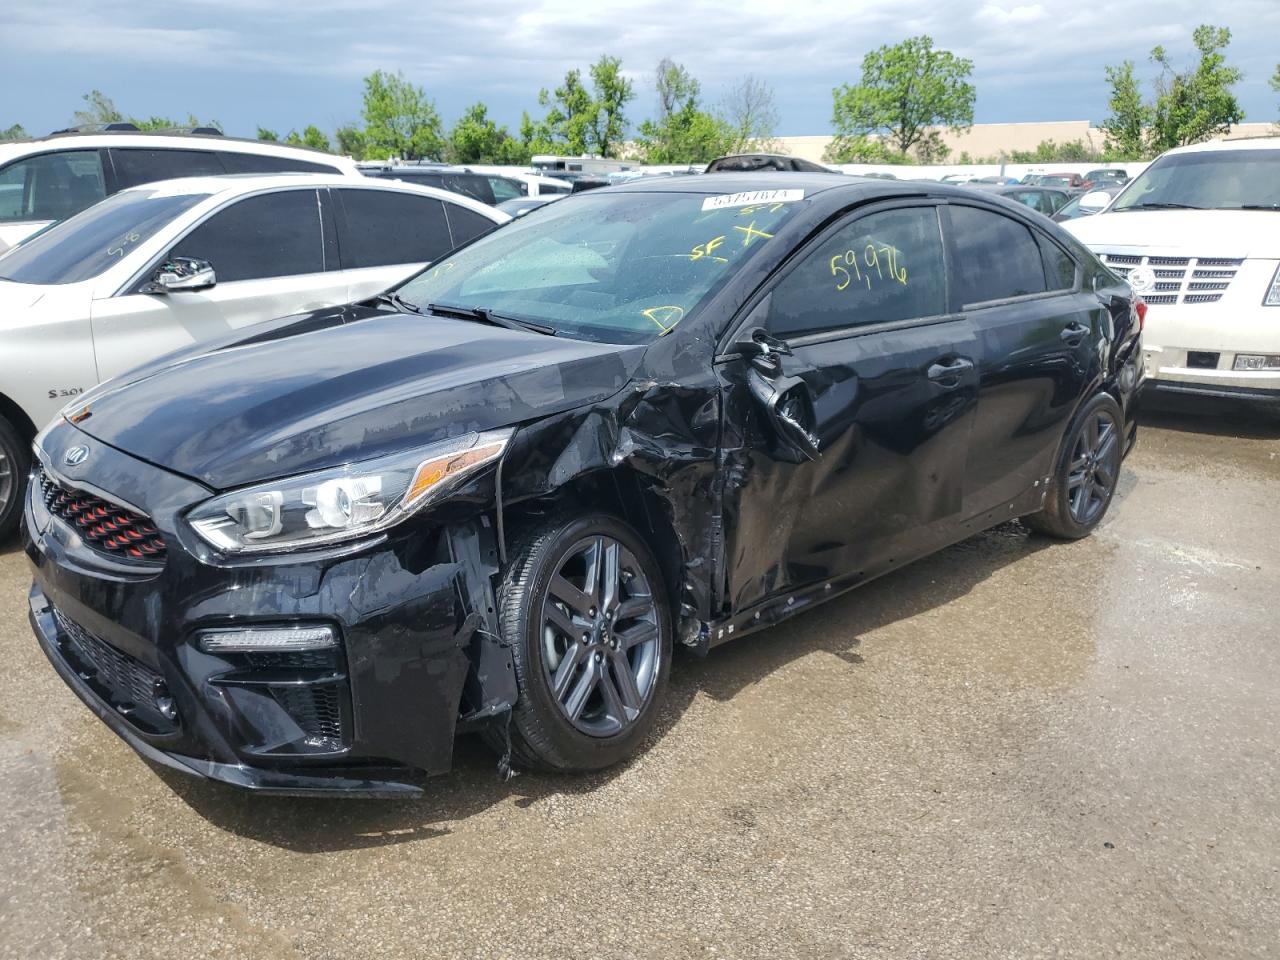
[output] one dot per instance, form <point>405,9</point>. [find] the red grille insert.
<point>106,527</point>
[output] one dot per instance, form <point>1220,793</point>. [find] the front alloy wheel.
<point>584,609</point>
<point>600,636</point>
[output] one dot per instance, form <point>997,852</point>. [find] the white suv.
<point>43,181</point>
<point>1197,235</point>
<point>155,268</point>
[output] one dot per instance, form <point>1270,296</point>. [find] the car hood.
<point>19,296</point>
<point>1196,233</point>
<point>341,385</point>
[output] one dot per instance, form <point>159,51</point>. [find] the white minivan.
<point>1197,235</point>
<point>158,267</point>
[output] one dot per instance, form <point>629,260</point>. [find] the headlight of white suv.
<point>344,503</point>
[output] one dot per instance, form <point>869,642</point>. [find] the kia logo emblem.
<point>75,456</point>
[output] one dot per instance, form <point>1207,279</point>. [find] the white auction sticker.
<point>751,196</point>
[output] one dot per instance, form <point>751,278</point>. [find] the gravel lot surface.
<point>1012,749</point>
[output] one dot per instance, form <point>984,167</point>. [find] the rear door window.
<point>259,163</point>
<point>465,224</point>
<point>504,188</point>
<point>882,267</point>
<point>994,257</point>
<point>385,227</point>
<point>137,166</point>
<point>1060,269</point>
<point>268,235</point>
<point>51,186</point>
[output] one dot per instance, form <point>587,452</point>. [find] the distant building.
<point>995,139</point>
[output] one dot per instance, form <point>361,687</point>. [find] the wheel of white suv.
<point>14,465</point>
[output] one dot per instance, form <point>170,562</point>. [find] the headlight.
<point>1273,294</point>
<point>344,503</point>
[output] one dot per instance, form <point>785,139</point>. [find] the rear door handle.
<point>1074,332</point>
<point>948,374</point>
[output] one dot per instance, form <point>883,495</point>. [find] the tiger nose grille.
<point>106,527</point>
<point>1179,279</point>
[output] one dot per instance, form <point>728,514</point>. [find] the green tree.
<point>311,136</point>
<point>477,139</point>
<point>682,132</point>
<point>351,141</point>
<point>533,136</point>
<point>613,92</point>
<point>1127,124</point>
<point>905,90</point>
<point>268,136</point>
<point>15,132</point>
<point>399,119</point>
<point>98,109</point>
<point>1275,79</point>
<point>571,112</point>
<point>860,148</point>
<point>1197,103</point>
<point>751,115</point>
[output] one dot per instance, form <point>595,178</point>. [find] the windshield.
<point>88,243</point>
<point>1208,180</point>
<point>613,267</point>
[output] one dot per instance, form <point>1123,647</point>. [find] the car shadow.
<point>310,825</point>
<point>1218,417</point>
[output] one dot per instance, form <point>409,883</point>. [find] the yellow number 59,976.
<point>840,262</point>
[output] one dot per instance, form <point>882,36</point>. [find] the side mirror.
<point>181,273</point>
<point>763,351</point>
<point>1095,201</point>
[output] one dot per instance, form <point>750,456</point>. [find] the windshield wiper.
<point>1255,206</point>
<point>485,315</point>
<point>1162,206</point>
<point>397,301</point>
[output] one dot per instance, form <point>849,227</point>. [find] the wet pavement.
<point>1012,749</point>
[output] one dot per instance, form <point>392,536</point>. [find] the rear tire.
<point>15,464</point>
<point>583,606</point>
<point>1085,477</point>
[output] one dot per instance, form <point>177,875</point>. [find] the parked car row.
<point>461,478</point>
<point>302,555</point>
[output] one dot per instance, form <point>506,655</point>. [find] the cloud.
<point>503,51</point>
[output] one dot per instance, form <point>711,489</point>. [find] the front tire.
<point>583,606</point>
<point>15,463</point>
<point>1084,479</point>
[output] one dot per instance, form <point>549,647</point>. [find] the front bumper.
<point>375,719</point>
<point>1171,370</point>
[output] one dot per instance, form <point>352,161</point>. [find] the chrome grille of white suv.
<point>1179,279</point>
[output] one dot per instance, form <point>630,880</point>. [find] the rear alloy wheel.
<point>584,603</point>
<point>1084,482</point>
<point>14,464</point>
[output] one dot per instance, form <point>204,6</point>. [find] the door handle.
<point>1074,332</point>
<point>948,374</point>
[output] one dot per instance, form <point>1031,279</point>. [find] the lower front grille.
<point>317,709</point>
<point>136,691</point>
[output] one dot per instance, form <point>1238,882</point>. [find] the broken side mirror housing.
<point>181,274</point>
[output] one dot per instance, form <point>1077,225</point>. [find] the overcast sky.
<point>288,64</point>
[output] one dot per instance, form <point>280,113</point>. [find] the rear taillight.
<point>1140,308</point>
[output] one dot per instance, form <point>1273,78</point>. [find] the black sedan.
<point>494,499</point>
<point>1046,200</point>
